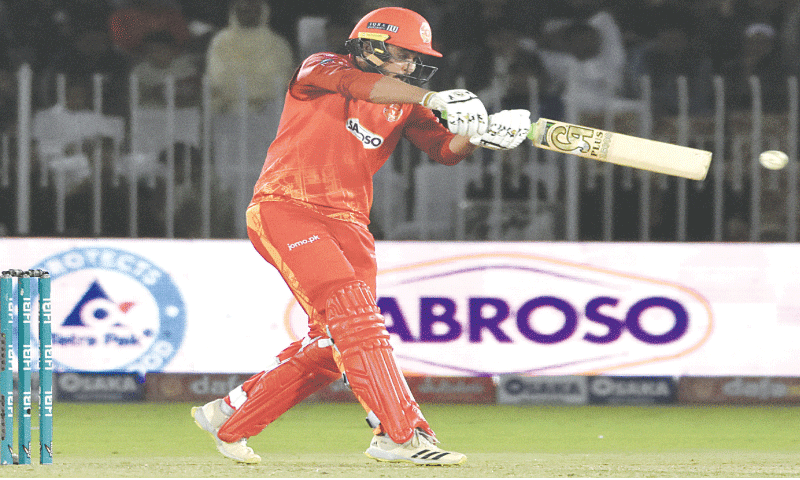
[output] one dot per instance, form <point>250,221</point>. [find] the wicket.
<point>24,312</point>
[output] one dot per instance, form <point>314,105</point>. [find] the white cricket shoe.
<point>209,417</point>
<point>420,450</point>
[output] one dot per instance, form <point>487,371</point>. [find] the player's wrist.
<point>427,100</point>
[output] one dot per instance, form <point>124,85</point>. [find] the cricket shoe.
<point>420,450</point>
<point>209,417</point>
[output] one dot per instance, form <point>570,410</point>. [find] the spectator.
<point>162,57</point>
<point>760,57</point>
<point>248,48</point>
<point>317,33</point>
<point>513,61</point>
<point>586,64</point>
<point>528,17</point>
<point>666,57</point>
<point>761,11</point>
<point>582,50</point>
<point>34,37</point>
<point>311,35</point>
<point>716,31</point>
<point>91,53</point>
<point>75,15</point>
<point>32,32</point>
<point>286,13</point>
<point>720,24</point>
<point>130,25</point>
<point>464,40</point>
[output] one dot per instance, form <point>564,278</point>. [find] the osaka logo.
<point>113,310</point>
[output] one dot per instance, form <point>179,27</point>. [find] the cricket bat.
<point>620,149</point>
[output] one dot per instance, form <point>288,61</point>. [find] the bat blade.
<point>620,149</point>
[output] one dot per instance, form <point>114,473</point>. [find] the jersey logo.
<point>392,112</point>
<point>368,139</point>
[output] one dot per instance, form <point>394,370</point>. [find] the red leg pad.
<point>273,392</point>
<point>286,354</point>
<point>367,358</point>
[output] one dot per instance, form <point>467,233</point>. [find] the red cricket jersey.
<point>331,140</point>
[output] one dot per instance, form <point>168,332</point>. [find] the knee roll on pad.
<point>364,354</point>
<point>276,391</point>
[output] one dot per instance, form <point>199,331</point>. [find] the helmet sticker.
<point>382,37</point>
<point>384,26</point>
<point>425,32</point>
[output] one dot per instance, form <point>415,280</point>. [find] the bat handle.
<point>533,133</point>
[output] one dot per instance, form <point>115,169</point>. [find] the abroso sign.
<point>498,313</point>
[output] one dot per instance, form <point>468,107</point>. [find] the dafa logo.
<point>113,310</point>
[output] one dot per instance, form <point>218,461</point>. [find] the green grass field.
<point>161,440</point>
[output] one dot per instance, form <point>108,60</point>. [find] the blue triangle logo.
<point>94,292</point>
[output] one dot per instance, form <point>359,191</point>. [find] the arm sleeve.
<point>332,73</point>
<point>426,133</point>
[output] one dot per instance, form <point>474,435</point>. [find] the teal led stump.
<point>24,311</point>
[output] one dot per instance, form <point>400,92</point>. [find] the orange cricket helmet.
<point>396,26</point>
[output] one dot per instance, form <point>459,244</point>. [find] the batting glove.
<point>463,110</point>
<point>507,129</point>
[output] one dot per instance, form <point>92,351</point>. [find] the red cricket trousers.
<point>314,254</point>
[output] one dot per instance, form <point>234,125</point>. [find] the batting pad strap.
<point>372,420</point>
<point>366,357</point>
<point>237,397</point>
<point>275,391</point>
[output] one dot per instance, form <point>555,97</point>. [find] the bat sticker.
<point>575,139</point>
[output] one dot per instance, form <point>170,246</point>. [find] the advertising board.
<point>474,309</point>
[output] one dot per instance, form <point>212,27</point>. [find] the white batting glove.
<point>507,129</point>
<point>463,110</point>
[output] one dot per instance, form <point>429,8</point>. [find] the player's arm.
<point>461,146</point>
<point>466,113</point>
<point>426,133</point>
<point>392,90</point>
<point>506,129</point>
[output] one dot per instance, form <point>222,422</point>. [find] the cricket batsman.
<point>343,117</point>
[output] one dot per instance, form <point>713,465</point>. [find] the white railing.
<point>414,197</point>
<point>557,182</point>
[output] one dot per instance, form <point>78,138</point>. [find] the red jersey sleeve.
<point>323,72</point>
<point>426,133</point>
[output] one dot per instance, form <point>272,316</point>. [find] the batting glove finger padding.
<point>507,129</point>
<point>463,110</point>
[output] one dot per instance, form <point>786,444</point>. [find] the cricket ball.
<point>773,159</point>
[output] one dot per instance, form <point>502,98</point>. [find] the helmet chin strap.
<point>369,53</point>
<point>374,61</point>
<point>365,51</point>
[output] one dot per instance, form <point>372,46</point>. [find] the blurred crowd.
<point>579,50</point>
<point>595,46</point>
